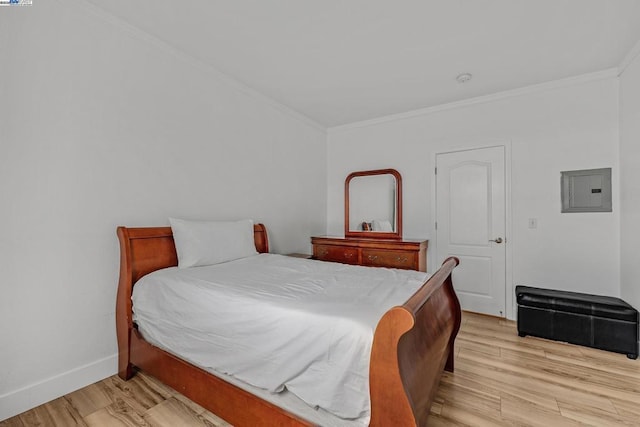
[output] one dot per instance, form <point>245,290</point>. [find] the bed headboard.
<point>148,249</point>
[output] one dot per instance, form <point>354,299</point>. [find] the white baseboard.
<point>23,399</point>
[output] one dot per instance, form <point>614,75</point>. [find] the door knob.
<point>498,240</point>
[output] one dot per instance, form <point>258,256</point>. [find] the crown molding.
<point>105,16</point>
<point>629,57</point>
<point>526,90</point>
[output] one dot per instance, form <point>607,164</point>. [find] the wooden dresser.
<point>405,254</point>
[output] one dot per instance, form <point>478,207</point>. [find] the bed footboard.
<point>411,346</point>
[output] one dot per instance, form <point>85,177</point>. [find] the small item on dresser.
<point>366,226</point>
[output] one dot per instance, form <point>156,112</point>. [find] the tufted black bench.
<point>606,323</point>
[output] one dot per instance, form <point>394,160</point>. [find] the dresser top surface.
<point>359,241</point>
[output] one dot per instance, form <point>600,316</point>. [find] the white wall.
<point>562,128</point>
<point>102,126</point>
<point>630,183</point>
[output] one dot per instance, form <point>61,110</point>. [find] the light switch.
<point>533,222</point>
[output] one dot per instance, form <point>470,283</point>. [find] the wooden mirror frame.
<point>397,234</point>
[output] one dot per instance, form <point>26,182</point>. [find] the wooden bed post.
<point>124,321</point>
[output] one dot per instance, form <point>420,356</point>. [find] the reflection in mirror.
<point>372,203</point>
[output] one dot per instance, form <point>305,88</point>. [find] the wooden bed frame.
<point>412,344</point>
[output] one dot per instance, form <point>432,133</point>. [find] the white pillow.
<point>212,242</point>
<point>381,225</point>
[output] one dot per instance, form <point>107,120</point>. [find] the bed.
<point>412,344</point>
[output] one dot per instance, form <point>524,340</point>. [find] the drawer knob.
<point>372,257</point>
<point>402,259</point>
<point>348,254</point>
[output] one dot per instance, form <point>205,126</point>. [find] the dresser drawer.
<point>341,254</point>
<point>391,259</point>
<point>404,254</point>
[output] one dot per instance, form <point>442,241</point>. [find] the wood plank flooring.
<point>500,379</point>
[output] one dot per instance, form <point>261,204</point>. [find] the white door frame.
<point>441,148</point>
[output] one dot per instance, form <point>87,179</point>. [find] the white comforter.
<point>274,321</point>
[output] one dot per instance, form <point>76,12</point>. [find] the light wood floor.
<point>500,379</point>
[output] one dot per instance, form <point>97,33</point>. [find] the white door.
<point>470,224</point>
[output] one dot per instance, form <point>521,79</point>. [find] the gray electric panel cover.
<point>587,190</point>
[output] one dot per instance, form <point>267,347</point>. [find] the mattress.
<point>276,323</point>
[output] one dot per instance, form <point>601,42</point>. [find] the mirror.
<point>373,204</point>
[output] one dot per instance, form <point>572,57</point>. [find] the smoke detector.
<point>464,77</point>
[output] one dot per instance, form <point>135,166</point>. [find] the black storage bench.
<point>602,322</point>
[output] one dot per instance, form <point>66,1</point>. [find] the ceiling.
<point>342,61</point>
